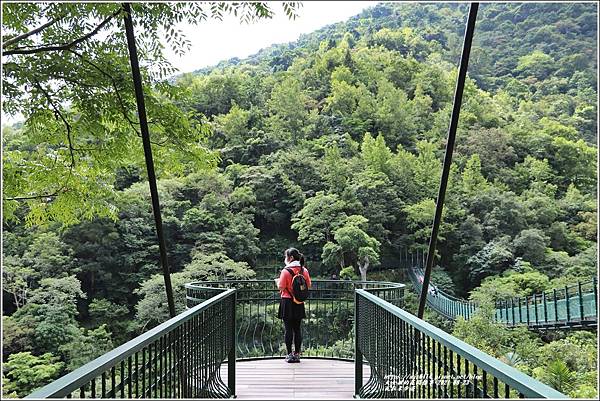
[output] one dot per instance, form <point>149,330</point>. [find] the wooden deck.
<point>314,379</point>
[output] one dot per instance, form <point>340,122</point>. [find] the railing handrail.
<point>537,295</point>
<point>445,294</point>
<point>526,385</point>
<point>327,331</point>
<point>559,290</point>
<point>534,299</point>
<point>384,284</point>
<point>82,375</point>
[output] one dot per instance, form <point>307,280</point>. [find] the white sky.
<point>213,40</point>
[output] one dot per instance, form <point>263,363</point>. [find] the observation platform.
<point>312,378</point>
<point>355,337</point>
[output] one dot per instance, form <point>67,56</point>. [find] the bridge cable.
<point>141,107</point>
<point>460,84</point>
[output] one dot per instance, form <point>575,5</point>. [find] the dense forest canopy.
<point>333,144</point>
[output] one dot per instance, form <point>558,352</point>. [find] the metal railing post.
<point>232,356</point>
<point>579,293</point>
<point>567,304</point>
<point>497,312</point>
<point>383,336</point>
<point>555,305</point>
<point>545,307</point>
<point>595,285</point>
<point>536,308</point>
<point>161,363</point>
<point>358,357</point>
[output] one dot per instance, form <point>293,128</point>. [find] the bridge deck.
<point>310,379</point>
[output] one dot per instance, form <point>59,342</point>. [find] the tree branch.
<point>65,46</point>
<point>70,80</point>
<point>62,117</point>
<point>117,94</point>
<point>19,198</point>
<point>62,189</point>
<point>114,85</point>
<point>30,33</point>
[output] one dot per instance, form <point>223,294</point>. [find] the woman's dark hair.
<point>295,255</point>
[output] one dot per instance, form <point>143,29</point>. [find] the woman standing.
<point>292,311</point>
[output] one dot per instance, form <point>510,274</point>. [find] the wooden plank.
<point>309,379</point>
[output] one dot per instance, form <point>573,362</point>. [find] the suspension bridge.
<point>570,307</point>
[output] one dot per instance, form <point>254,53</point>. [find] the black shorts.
<point>289,310</point>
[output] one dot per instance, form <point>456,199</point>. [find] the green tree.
<point>495,257</point>
<point>233,127</point>
<point>47,320</point>
<point>574,161</point>
<point>531,245</point>
<point>152,307</point>
<point>472,179</point>
<point>52,309</point>
<point>427,170</point>
<point>496,339</point>
<point>115,317</point>
<point>378,200</point>
<point>48,256</point>
<point>82,133</point>
<point>419,218</point>
<point>26,372</point>
<point>17,334</point>
<point>319,218</point>
<point>569,364</point>
<point>511,284</point>
<point>537,64</point>
<point>336,171</point>
<point>333,255</point>
<point>86,346</point>
<point>376,154</point>
<point>17,279</point>
<point>289,107</point>
<point>354,244</point>
<point>406,41</point>
<point>493,146</point>
<point>393,114</point>
<point>217,267</point>
<point>557,375</point>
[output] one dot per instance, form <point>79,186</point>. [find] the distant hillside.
<point>505,33</point>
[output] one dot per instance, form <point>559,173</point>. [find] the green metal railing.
<point>181,358</point>
<point>326,330</point>
<point>574,306</point>
<point>410,358</point>
<point>571,306</point>
<point>447,305</point>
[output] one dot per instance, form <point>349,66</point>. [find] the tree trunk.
<point>92,282</point>
<point>363,269</point>
<point>16,299</point>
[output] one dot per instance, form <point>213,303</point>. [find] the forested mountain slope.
<point>505,33</point>
<point>333,144</point>
<point>388,71</point>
